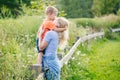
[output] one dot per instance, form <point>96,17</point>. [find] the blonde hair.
<point>63,36</point>
<point>51,10</point>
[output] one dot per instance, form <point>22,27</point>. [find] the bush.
<point>112,35</point>
<point>110,21</point>
<point>17,47</point>
<point>118,13</point>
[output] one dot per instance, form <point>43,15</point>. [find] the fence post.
<point>60,55</point>
<point>110,29</point>
<point>88,43</point>
<point>36,70</point>
<point>78,37</point>
<point>102,30</point>
<point>66,49</point>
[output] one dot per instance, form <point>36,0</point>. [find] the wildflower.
<point>3,43</point>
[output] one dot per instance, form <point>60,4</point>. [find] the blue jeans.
<point>50,66</point>
<point>37,43</point>
<point>49,75</point>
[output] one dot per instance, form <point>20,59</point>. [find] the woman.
<point>50,62</point>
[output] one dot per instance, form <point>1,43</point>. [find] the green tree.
<point>102,7</point>
<point>10,8</point>
<point>76,8</point>
<point>38,6</point>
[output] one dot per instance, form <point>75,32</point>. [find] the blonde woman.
<point>50,62</point>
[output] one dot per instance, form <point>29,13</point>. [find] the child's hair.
<point>51,10</point>
<point>63,36</point>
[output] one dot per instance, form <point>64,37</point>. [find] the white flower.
<point>29,55</point>
<point>66,62</point>
<point>79,63</point>
<point>78,52</point>
<point>82,44</point>
<point>3,43</point>
<point>83,54</point>
<point>73,58</point>
<point>21,44</point>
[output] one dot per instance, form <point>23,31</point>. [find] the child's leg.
<point>40,54</point>
<point>40,58</point>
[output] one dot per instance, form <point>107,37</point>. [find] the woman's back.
<point>52,38</point>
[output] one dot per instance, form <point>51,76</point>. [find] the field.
<point>100,62</point>
<point>18,51</point>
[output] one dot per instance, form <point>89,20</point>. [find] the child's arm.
<point>60,29</point>
<point>40,54</point>
<point>40,34</point>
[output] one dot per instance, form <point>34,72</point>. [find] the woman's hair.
<point>51,10</point>
<point>63,36</point>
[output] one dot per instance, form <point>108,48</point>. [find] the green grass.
<point>98,22</point>
<point>17,47</point>
<point>105,63</point>
<point>18,50</point>
<point>100,62</point>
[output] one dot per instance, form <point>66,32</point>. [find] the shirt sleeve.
<point>48,37</point>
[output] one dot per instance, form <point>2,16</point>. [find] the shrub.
<point>17,47</point>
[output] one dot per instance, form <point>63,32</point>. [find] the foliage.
<point>101,62</point>
<point>15,8</point>
<point>102,7</point>
<point>18,52</point>
<point>88,8</point>
<point>76,8</point>
<point>118,13</point>
<point>112,35</point>
<point>17,47</point>
<point>104,22</point>
<point>38,6</point>
<point>11,8</point>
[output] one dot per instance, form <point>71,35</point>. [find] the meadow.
<point>18,49</point>
<point>100,62</point>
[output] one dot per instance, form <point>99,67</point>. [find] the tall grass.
<point>17,47</point>
<point>100,62</point>
<point>18,50</point>
<point>99,22</point>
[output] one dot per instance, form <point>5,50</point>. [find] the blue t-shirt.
<point>52,38</point>
<point>50,59</point>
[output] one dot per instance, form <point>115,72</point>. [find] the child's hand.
<point>65,27</point>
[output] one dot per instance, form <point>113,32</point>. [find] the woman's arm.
<point>46,40</point>
<point>43,45</point>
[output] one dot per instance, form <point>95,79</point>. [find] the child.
<point>51,13</point>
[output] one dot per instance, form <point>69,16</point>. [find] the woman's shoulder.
<point>51,32</point>
<point>52,35</point>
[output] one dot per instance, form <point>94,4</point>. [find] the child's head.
<point>51,12</point>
